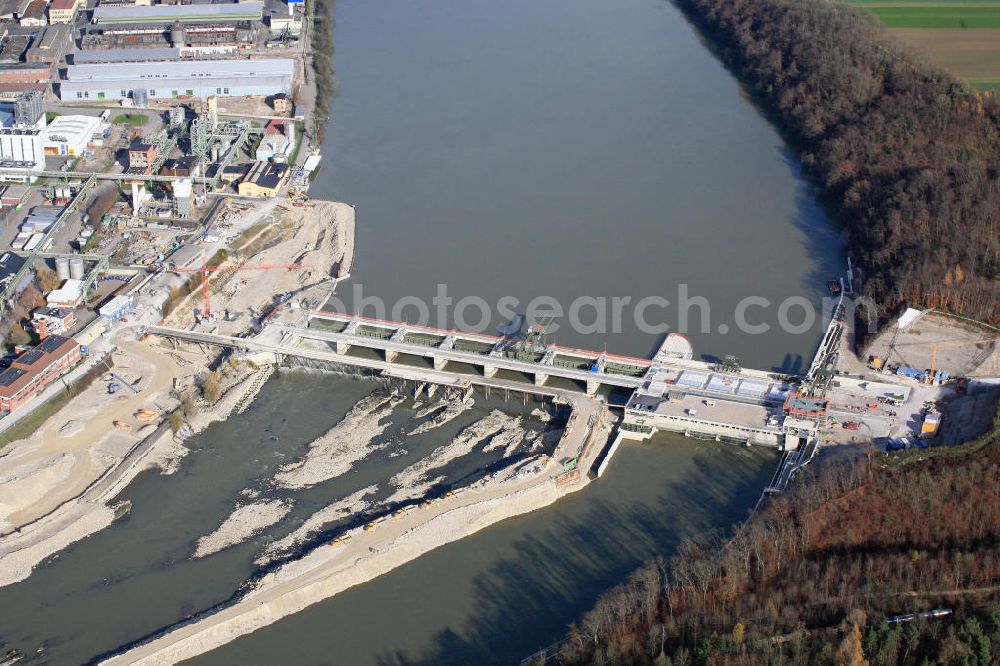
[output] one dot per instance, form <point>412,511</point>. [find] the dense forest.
<point>812,577</point>
<point>907,156</point>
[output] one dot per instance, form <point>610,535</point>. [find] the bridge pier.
<point>391,355</point>
<point>341,347</point>
<point>541,379</point>
<point>592,387</point>
<point>489,370</point>
<point>439,363</point>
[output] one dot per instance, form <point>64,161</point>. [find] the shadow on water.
<point>501,594</point>
<point>542,584</point>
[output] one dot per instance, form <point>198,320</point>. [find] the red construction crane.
<point>207,271</point>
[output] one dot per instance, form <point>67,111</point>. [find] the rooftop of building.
<point>157,71</point>
<point>154,12</point>
<point>26,366</point>
<point>10,264</point>
<point>267,174</point>
<point>124,55</point>
<point>71,127</point>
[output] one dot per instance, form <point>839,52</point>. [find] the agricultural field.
<point>960,35</point>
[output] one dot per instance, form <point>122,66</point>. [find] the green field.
<point>936,14</point>
<point>136,119</point>
<point>991,86</point>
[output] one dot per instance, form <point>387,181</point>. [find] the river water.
<point>565,149</point>
<point>559,148</point>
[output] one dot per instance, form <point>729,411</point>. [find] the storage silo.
<point>76,268</point>
<point>62,268</point>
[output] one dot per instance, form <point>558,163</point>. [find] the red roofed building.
<point>62,11</point>
<point>35,369</point>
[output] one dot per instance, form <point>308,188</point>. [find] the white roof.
<point>691,378</point>
<point>753,387</point>
<point>312,162</point>
<point>155,72</point>
<point>724,383</point>
<point>178,12</point>
<point>115,304</point>
<point>73,130</point>
<point>70,292</point>
<point>183,187</point>
<point>657,388</point>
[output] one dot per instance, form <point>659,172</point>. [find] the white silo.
<point>62,268</point>
<point>76,268</point>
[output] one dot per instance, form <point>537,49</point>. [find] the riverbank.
<point>365,553</point>
<point>93,508</point>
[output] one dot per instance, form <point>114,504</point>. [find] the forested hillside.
<point>908,157</point>
<point>813,576</point>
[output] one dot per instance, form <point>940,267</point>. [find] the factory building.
<point>277,143</point>
<point>264,180</point>
<point>33,14</point>
<point>49,44</point>
<point>35,369</point>
<point>229,11</point>
<point>68,295</point>
<point>21,76</point>
<point>22,153</point>
<point>70,135</point>
<point>63,11</point>
<point>179,79</point>
<point>190,40</point>
<point>117,307</point>
<point>22,125</point>
<point>52,321</point>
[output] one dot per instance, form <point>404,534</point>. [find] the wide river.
<point>565,148</point>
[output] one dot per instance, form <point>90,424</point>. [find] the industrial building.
<point>263,180</point>
<point>116,308</point>
<point>63,11</point>
<point>33,14</point>
<point>21,138</point>
<point>12,196</point>
<point>277,143</point>
<point>68,295</point>
<point>52,321</point>
<point>70,135</point>
<point>190,40</point>
<point>21,76</point>
<point>171,80</point>
<point>124,55</point>
<point>35,369</point>
<point>291,25</point>
<point>141,158</point>
<point>22,153</point>
<point>49,44</point>
<point>229,11</point>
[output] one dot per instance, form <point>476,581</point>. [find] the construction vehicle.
<point>931,422</point>
<point>876,363</point>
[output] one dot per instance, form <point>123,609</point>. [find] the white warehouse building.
<point>185,78</point>
<point>70,135</point>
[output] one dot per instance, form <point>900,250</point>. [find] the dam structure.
<point>671,391</point>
